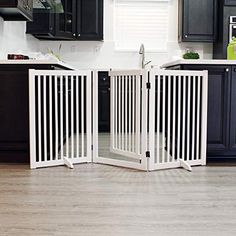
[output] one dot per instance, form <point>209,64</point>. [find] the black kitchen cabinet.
<point>103,101</point>
<point>16,10</point>
<point>14,111</point>
<point>90,20</point>
<point>221,124</point>
<point>232,144</point>
<point>197,20</point>
<point>81,20</point>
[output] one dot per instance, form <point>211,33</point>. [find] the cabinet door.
<point>199,20</point>
<point>66,22</point>
<point>90,19</point>
<point>218,108</point>
<point>103,102</point>
<point>232,143</point>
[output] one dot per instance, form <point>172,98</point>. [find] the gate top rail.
<point>59,72</point>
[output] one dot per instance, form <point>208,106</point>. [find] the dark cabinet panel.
<point>197,20</point>
<point>232,144</point>
<point>218,107</point>
<point>90,20</point>
<point>16,10</point>
<point>103,102</point>
<point>81,20</point>
<point>65,26</point>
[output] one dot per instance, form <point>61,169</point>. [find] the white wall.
<point>97,54</point>
<point>14,40</point>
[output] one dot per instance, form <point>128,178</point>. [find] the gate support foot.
<point>185,165</point>
<point>68,163</point>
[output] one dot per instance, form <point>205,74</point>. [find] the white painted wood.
<point>32,120</point>
<point>68,163</point>
<point>46,144</point>
<point>185,165</point>
<point>204,118</point>
<point>56,117</point>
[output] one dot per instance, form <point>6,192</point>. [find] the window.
<point>141,21</point>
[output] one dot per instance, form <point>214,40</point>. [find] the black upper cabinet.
<point>81,20</point>
<point>16,10</point>
<point>90,19</point>
<point>197,20</point>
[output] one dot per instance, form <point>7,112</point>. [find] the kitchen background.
<point>91,54</point>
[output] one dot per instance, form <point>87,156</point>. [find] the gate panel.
<point>128,128</point>
<point>60,117</point>
<point>177,130</point>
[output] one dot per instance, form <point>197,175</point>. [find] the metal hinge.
<point>148,85</point>
<point>148,155</point>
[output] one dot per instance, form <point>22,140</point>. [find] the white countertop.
<point>45,62</point>
<point>199,62</point>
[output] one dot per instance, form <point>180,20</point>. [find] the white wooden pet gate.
<point>158,118</point>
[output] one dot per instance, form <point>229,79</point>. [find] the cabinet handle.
<point>227,70</point>
<point>186,36</point>
<point>234,69</point>
<point>78,35</point>
<point>74,35</point>
<point>69,21</point>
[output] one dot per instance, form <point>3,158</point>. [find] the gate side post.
<point>32,119</point>
<point>95,115</point>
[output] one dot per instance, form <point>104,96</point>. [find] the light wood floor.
<point>105,200</point>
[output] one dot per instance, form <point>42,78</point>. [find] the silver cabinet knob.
<point>227,70</point>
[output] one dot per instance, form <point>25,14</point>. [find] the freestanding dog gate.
<point>158,118</point>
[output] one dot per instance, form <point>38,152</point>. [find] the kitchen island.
<point>221,125</point>
<point>14,106</point>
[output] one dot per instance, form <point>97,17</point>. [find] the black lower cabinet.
<point>103,102</point>
<point>221,121</point>
<point>14,111</point>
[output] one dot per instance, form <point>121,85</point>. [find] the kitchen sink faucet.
<point>142,52</point>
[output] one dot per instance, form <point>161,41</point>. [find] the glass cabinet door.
<point>66,22</point>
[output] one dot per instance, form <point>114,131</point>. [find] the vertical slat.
<point>193,145</point>
<point>158,81</point>
<point>204,117</point>
<point>184,117</point>
<point>125,113</point>
<point>50,118</point>
<point>188,118</point>
<point>45,115</point>
<point>163,118</point>
<point>61,116</point>
<point>88,116</point>
<point>72,116</point>
<point>122,112</point>
<point>180,78</point>
<point>129,114</point>
<point>112,110</point>
<point>39,120</point>
<point>198,117</point>
<point>67,117</point>
<point>82,116</point>
<point>119,108</point>
<point>168,119</point>
<point>133,113</point>
<point>137,129</point>
<point>77,116</point>
<point>56,115</point>
<point>173,118</point>
<point>115,112</point>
